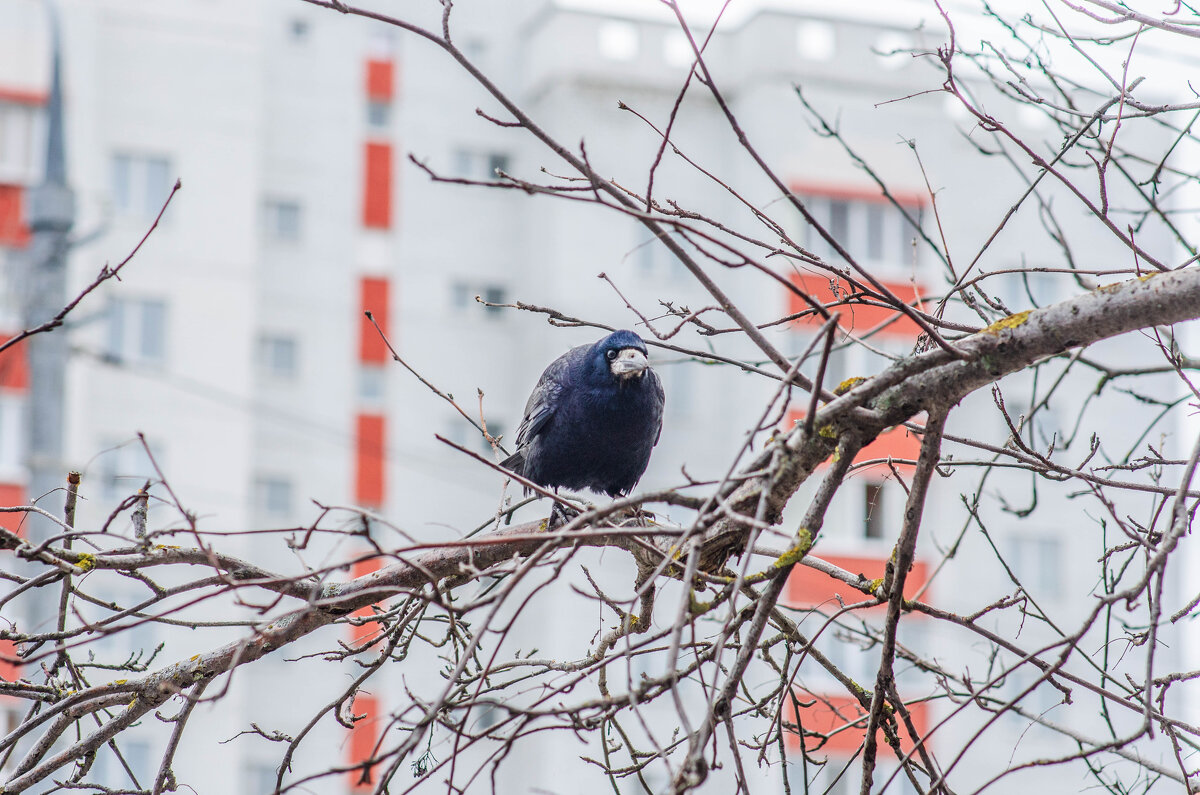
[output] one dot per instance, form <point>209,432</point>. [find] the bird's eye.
<point>611,355</point>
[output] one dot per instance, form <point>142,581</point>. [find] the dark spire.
<point>52,204</point>
<point>56,148</point>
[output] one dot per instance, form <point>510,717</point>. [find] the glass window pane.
<point>907,233</point>
<point>370,384</point>
<point>379,114</point>
<point>286,221</point>
<point>839,221</point>
<point>464,163</point>
<point>494,294</point>
<point>873,513</point>
<point>116,328</point>
<point>875,221</point>
<point>11,439</point>
<point>121,182</point>
<point>157,185</point>
<point>284,355</point>
<point>153,331</point>
<point>497,161</point>
<point>618,41</point>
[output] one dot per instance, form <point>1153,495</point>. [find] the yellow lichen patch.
<point>120,681</point>
<point>848,384</point>
<point>195,657</point>
<point>86,562</point>
<point>1109,288</point>
<point>1012,321</point>
<point>874,585</point>
<point>797,552</point>
<point>827,431</point>
<point>1145,277</point>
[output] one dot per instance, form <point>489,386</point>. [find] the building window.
<point>654,258</point>
<point>273,496</point>
<point>11,437</point>
<point>281,220</point>
<point>677,50</point>
<point>124,467</point>
<point>494,294</point>
<point>680,377</point>
<point>110,772</point>
<point>258,777</point>
<point>470,164</point>
<point>379,114</point>
<point>874,232</point>
<point>137,331</point>
<point>894,51</point>
<point>874,515</point>
<point>475,49</point>
<point>463,293</point>
<point>140,184</point>
<point>816,41</point>
<point>497,162</point>
<point>371,385</point>
<point>1036,560</point>
<point>618,41</point>
<point>1024,290</point>
<point>465,435</point>
<point>298,30</point>
<point>382,43</point>
<point>16,142</point>
<point>277,355</point>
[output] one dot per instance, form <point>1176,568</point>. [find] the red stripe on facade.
<point>11,495</point>
<point>807,588</point>
<point>13,229</point>
<point>23,96</point>
<point>377,185</point>
<point>363,739</point>
<point>842,722</point>
<point>381,83</point>
<point>10,671</point>
<point>872,193</point>
<point>857,317</point>
<point>362,632</point>
<point>898,443</point>
<point>374,296</point>
<point>14,367</point>
<point>369,470</point>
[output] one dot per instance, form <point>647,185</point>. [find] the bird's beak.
<point>630,362</point>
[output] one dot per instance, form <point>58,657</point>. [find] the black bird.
<point>592,419</point>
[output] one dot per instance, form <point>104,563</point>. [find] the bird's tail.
<point>515,462</point>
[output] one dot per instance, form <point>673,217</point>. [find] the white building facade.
<point>235,343</point>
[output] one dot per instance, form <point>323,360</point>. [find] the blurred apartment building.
<point>235,341</point>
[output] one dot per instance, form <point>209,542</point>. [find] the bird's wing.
<point>544,400</point>
<point>662,399</point>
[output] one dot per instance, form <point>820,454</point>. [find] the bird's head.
<point>624,354</point>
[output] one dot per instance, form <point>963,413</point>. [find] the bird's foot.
<point>637,516</point>
<point>561,514</point>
